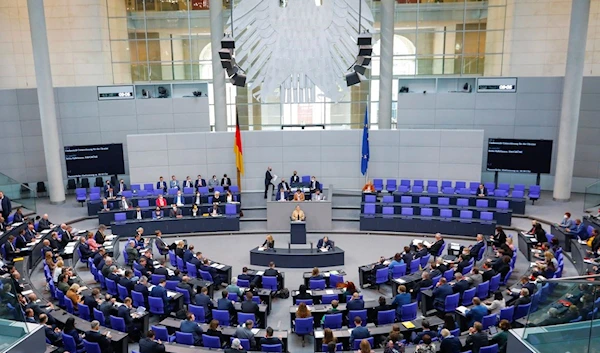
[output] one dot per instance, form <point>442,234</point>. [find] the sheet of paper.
<point>255,330</point>
<point>329,291</point>
<point>260,273</point>
<point>45,231</point>
<point>220,267</point>
<point>462,309</point>
<point>319,334</point>
<point>334,272</point>
<point>400,280</point>
<point>214,264</point>
<point>27,292</point>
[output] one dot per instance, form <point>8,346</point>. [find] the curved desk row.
<point>516,204</point>
<point>178,225</point>
<point>297,258</point>
<point>106,217</point>
<point>418,224</point>
<point>96,205</point>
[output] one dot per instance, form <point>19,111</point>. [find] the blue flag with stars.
<point>364,160</point>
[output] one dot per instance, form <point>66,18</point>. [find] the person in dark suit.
<point>142,287</point>
<point>441,291</point>
<point>499,237</point>
<point>161,184</point>
<point>91,301</point>
<point>10,249</point>
<point>482,191</point>
<point>268,179</point>
<point>488,272</point>
<point>124,312</point>
<point>421,251</point>
<point>21,241</point>
<point>161,292</point>
<point>271,271</point>
<point>449,343</point>
<point>269,339</point>
<point>225,182</point>
<point>149,344</point>
<point>359,332</point>
<point>474,250</point>
<point>284,185</point>
<point>355,303</point>
<point>162,247</point>
<point>324,243</point>
<point>477,338</point>
<point>175,212</point>
<point>196,260</point>
<point>294,179</point>
<point>314,185</point>
<point>523,299</point>
<point>282,195</point>
<point>188,183</point>
<point>67,235</point>
<point>424,283</point>
<point>460,284</point>
<point>502,266</point>
<point>126,281</point>
<point>217,279</point>
<point>99,237</point>
<point>189,325</point>
<point>202,299</point>
<point>407,256</point>
<point>462,262</point>
<point>426,331</point>
<point>5,205</point>
<point>225,304</point>
<point>53,334</point>
<point>200,182</point>
<point>54,242</point>
<point>106,308</point>
<point>121,187</point>
<point>103,340</point>
<point>30,233</point>
<point>184,284</point>
<point>45,223</point>
<point>107,186</point>
<point>249,306</point>
<point>435,247</point>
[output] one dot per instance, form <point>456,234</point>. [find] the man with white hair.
<point>103,339</point>
<point>132,253</point>
<point>434,248</point>
<point>45,223</point>
<point>236,347</point>
<point>108,262</point>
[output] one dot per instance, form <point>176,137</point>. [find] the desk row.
<point>420,224</point>
<point>106,217</point>
<point>501,216</point>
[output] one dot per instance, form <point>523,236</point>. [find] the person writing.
<point>324,244</point>
<point>269,242</point>
<point>298,214</point>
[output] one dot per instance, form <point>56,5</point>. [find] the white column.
<point>216,34</point>
<point>571,100</point>
<point>386,64</point>
<point>45,92</point>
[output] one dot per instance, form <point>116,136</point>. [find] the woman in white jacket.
<point>497,304</point>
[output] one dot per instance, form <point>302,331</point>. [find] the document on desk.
<point>319,334</point>
<point>16,224</point>
<point>515,291</point>
<point>324,249</point>
<point>110,237</point>
<point>334,272</point>
<point>255,330</point>
<point>399,280</point>
<point>462,309</point>
<point>260,273</point>
<point>45,231</point>
<point>533,264</point>
<point>27,292</point>
<point>260,248</point>
<point>214,264</point>
<point>408,324</point>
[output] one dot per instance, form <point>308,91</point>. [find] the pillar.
<point>45,92</point>
<point>571,100</point>
<point>219,94</point>
<point>386,64</point>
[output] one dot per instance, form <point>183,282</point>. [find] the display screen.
<point>94,160</point>
<point>519,156</point>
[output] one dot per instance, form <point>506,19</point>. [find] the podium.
<point>298,232</point>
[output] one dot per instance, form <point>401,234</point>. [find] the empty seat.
<point>500,193</point>
<point>446,184</point>
<point>418,183</point>
<point>473,186</point>
<point>370,198</point>
<point>502,204</point>
<point>378,184</point>
<point>390,185</point>
<point>460,185</point>
<point>534,193</point>
<point>466,214</point>
<point>504,186</point>
<point>464,191</point>
<point>427,212</point>
<point>387,210</point>
<point>403,188</point>
<point>369,209</point>
<point>407,211</point>
<point>406,199</point>
<point>482,203</point>
<point>486,216</point>
<point>388,199</point>
<point>448,190</point>
<point>443,201</point>
<point>425,200</point>
<point>417,189</point>
<point>519,187</point>
<point>136,187</point>
<point>405,182</point>
<point>490,186</point>
<point>462,202</point>
<point>432,183</point>
<point>518,194</point>
<point>446,213</point>
<point>432,189</point>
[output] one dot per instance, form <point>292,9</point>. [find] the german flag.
<point>237,146</point>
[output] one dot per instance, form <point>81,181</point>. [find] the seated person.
<point>217,198</point>
<point>125,204</point>
<point>324,244</point>
<point>540,234</point>
<point>225,182</point>
<point>189,325</point>
<point>316,274</point>
<point>369,187</point>
<point>524,298</point>
<point>477,312</point>
<point>426,332</point>
<point>282,195</point>
<point>425,282</point>
<point>105,205</point>
<point>441,291</point>
<point>376,266</point>
<point>359,332</point>
<point>567,222</point>
<point>158,213</point>
<point>421,251</point>
<point>175,212</point>
<point>103,339</point>
<point>299,195</point>
<point>499,237</point>
<point>402,298</point>
<point>272,272</point>
<point>477,338</point>
<point>482,191</point>
<point>110,193</point>
<point>188,183</point>
<point>161,184</point>
<point>284,185</point>
<point>317,196</point>
<point>215,212</point>
<point>229,198</point>
<point>197,200</point>
<point>225,304</point>
<point>212,183</point>
<point>269,242</point>
<point>294,179</point>
<point>355,303</point>
<point>199,182</point>
<point>314,185</point>
<point>179,200</point>
<point>407,255</point>
<point>460,283</point>
<point>579,232</point>
<point>195,210</point>
<point>161,201</point>
<point>138,214</point>
<point>434,248</point>
<point>269,339</point>
<point>298,214</point>
<point>174,184</point>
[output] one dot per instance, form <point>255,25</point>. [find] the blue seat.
<point>445,213</point>
<point>91,347</point>
<point>304,326</point>
<point>233,297</point>
<point>398,271</point>
<point>467,297</point>
<point>483,290</point>
<point>424,260</point>
<point>155,279</point>
<point>173,258</point>
<point>199,313</point>
<point>450,303</point>
<point>69,306</point>
<point>211,341</point>
<point>271,348</point>
<point>117,323</point>
<point>378,184</point>
<point>99,315</point>
<point>333,321</point>
<point>328,298</point>
<point>433,190</point>
<point>161,333</point>
<point>222,316</point>
<point>507,313</point>
<point>184,338</point>
<point>489,321</point>
<point>409,312</point>
<point>521,311</point>
<point>84,312</point>
<point>138,299</point>
<point>70,345</point>
<point>185,293</point>
<point>356,343</point>
<point>111,287</point>
<point>407,211</point>
<point>390,185</point>
<point>123,292</point>
<point>369,209</point>
<point>370,198</point>
<point>334,280</point>
<point>386,317</point>
<point>305,301</point>
<point>243,317</point>
<point>243,283</point>
<point>316,284</point>
<point>354,313</point>
<point>489,349</point>
<point>381,276</point>
<point>338,347</point>
<point>427,212</point>
<point>157,306</point>
<point>414,265</point>
<point>269,282</point>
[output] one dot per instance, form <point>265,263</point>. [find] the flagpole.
<point>368,128</point>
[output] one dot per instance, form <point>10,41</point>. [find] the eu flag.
<point>364,159</point>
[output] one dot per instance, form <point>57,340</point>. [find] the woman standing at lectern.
<point>269,242</point>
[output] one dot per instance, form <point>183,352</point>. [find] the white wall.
<point>332,156</point>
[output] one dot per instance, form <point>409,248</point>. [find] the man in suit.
<point>477,338</point>
<point>189,325</point>
<point>217,279</point>
<point>161,292</point>
<point>173,183</point>
<point>202,299</point>
<point>245,276</point>
<point>54,242</point>
<point>249,306</point>
<point>21,241</point>
<point>103,340</point>
<point>147,267</point>
<point>175,212</point>
<point>114,274</point>
<point>107,185</point>
<point>184,284</point>
<point>105,206</point>
<point>523,299</point>
<point>38,310</point>
<point>271,271</point>
<point>424,283</point>
<point>196,260</point>
<point>133,254</point>
<point>441,291</point>
<point>109,193</point>
<point>10,249</point>
<point>421,251</point>
<point>126,281</point>
<point>244,331</point>
<point>188,183</point>
<point>355,302</point>
<point>324,243</point>
<point>285,185</point>
<point>426,331</point>
<point>477,312</point>
<point>199,182</point>
<point>121,187</point>
<point>488,272</point>
<point>317,196</point>
<point>435,247</point>
<point>449,343</point>
<point>161,184</point>
<point>45,223</point>
<point>86,252</point>
<point>269,339</point>
<point>268,179</point>
<point>53,334</point>
<point>106,308</point>
<point>5,205</point>
<point>124,312</point>
<point>162,247</point>
<point>98,258</point>
<point>124,204</point>
<point>460,284</point>
<point>314,185</point>
<point>225,182</point>
<point>482,191</point>
<point>142,287</point>
<point>407,256</point>
<point>282,195</point>
<point>99,237</point>
<point>294,179</point>
<point>474,250</point>
<point>179,200</point>
<point>359,332</point>
<point>67,237</point>
<point>236,347</point>
<point>149,344</point>
<point>463,261</point>
<point>30,233</point>
<point>108,263</point>
<point>92,300</point>
<point>225,304</point>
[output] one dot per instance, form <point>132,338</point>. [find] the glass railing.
<point>12,322</point>
<point>565,316</point>
<point>591,200</point>
<point>21,195</point>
